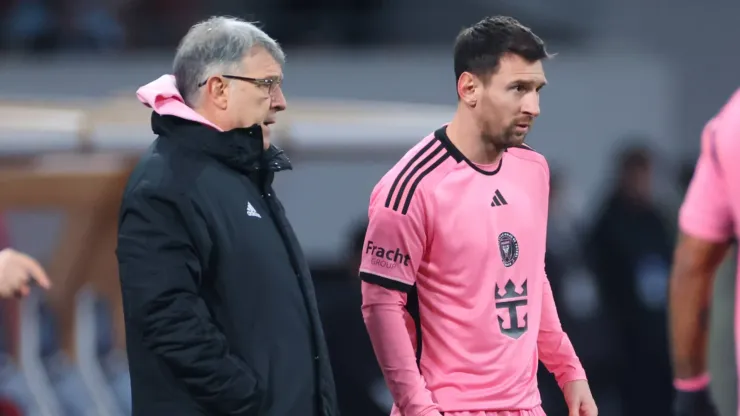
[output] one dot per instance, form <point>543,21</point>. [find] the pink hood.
<point>162,96</point>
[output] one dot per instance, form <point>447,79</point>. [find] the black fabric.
<point>356,370</point>
<point>629,247</point>
<point>695,403</point>
<point>221,316</point>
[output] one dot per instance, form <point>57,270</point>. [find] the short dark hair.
<point>479,48</point>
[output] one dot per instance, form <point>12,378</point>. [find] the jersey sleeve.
<point>394,243</point>
<point>554,347</point>
<point>705,212</point>
<point>394,246</point>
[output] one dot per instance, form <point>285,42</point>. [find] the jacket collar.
<point>240,149</point>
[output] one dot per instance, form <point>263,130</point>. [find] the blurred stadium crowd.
<point>609,246</point>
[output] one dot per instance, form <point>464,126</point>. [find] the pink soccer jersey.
<point>455,296</point>
<point>711,208</point>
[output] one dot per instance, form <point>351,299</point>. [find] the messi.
<point>395,256</point>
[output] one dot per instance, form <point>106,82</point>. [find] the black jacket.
<point>221,316</point>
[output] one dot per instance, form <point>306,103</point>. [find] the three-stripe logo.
<point>498,199</point>
<point>422,164</point>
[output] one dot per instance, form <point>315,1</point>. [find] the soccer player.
<point>455,248</point>
<point>709,219</point>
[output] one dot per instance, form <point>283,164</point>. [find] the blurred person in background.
<point>458,325</point>
<point>560,228</point>
<point>221,315</point>
<point>580,306</point>
<point>42,25</point>
<point>360,386</point>
<point>629,249</point>
<point>142,20</point>
<point>709,220</point>
<point>343,22</point>
<point>18,271</point>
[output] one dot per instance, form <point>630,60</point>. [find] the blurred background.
<point>632,85</point>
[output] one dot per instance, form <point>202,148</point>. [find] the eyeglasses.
<point>270,83</point>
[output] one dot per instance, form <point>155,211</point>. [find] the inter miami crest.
<point>509,248</point>
<point>514,302</point>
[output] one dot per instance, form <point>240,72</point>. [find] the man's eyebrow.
<point>536,84</point>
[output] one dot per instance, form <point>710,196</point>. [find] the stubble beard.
<point>507,138</point>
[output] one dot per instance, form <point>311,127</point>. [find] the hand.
<point>579,399</point>
<point>695,403</point>
<point>17,270</point>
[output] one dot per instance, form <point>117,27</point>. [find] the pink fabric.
<point>537,411</point>
<point>711,208</point>
<point>164,98</point>
<point>553,344</point>
<point>393,337</point>
<point>442,236</point>
<point>706,211</point>
<point>692,384</point>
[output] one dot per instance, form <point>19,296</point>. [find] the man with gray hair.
<point>221,316</point>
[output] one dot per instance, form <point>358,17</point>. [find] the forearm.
<point>695,263</point>
<point>170,320</point>
<point>393,348</point>
<point>176,330</point>
<point>559,357</point>
<point>555,349</point>
<point>689,324</point>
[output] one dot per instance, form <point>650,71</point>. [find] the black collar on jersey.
<point>240,149</point>
<point>441,135</point>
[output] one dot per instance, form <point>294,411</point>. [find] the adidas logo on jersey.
<point>251,211</point>
<point>498,199</point>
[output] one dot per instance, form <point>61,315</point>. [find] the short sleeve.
<point>394,243</point>
<point>706,212</point>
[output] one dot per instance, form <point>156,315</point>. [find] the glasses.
<point>270,84</point>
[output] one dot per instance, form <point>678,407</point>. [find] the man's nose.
<point>531,105</point>
<point>278,100</point>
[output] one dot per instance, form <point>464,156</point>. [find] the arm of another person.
<point>18,271</point>
<point>160,271</point>
<point>394,246</point>
<point>706,226</point>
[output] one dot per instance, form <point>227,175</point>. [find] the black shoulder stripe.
<point>414,171</point>
<point>405,169</point>
<point>386,282</point>
<point>418,181</point>
<point>419,166</point>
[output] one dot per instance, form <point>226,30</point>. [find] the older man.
<point>18,271</point>
<point>220,310</point>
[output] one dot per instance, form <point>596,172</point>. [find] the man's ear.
<point>217,91</point>
<point>468,87</point>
